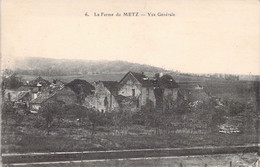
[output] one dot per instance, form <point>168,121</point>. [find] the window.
<point>105,101</point>
<point>133,92</point>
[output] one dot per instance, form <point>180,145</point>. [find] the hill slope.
<point>52,67</point>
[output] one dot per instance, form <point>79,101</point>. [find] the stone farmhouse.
<point>138,86</point>
<point>67,94</point>
<point>132,92</point>
<point>166,92</point>
<point>104,97</point>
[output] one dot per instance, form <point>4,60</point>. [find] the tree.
<point>50,111</point>
<point>236,107</point>
<point>12,82</point>
<point>7,111</point>
<point>152,117</point>
<point>121,121</point>
<point>94,120</point>
<point>157,76</point>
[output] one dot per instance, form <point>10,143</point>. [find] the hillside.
<point>55,67</point>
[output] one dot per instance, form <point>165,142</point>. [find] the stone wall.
<point>102,100</point>
<point>172,93</point>
<point>127,89</point>
<point>147,94</point>
<point>128,84</point>
<point>170,99</point>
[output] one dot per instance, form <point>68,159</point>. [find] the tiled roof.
<point>144,80</point>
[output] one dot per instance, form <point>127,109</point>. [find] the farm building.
<point>39,81</point>
<point>103,99</point>
<point>66,95</point>
<point>138,86</point>
<point>37,103</point>
<point>166,92</point>
<point>71,93</point>
<point>15,96</point>
<point>82,89</point>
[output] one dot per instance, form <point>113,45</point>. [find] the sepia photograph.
<point>159,83</point>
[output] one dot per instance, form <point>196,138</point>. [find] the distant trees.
<point>11,82</point>
<point>44,66</point>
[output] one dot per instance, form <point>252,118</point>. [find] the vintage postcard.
<point>130,83</point>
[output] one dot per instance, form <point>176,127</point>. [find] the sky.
<point>204,36</point>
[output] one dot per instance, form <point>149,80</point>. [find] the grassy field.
<point>29,135</point>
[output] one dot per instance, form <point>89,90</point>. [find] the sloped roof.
<point>81,86</point>
<point>144,80</point>
<point>42,98</point>
<point>24,88</point>
<point>22,94</point>
<point>39,80</point>
<point>59,81</point>
<point>15,95</point>
<point>112,86</point>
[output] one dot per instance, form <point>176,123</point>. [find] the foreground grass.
<point>241,160</point>
<point>30,136</point>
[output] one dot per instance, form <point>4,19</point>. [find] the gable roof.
<point>144,80</point>
<point>81,86</point>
